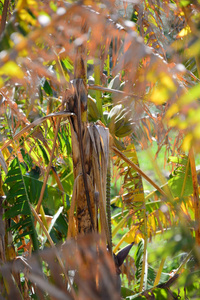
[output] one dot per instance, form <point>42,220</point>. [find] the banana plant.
<point>59,161</point>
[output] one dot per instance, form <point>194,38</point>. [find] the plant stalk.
<point>158,275</point>
<point>143,279</point>
<point>4,16</point>
<point>108,208</point>
<point>195,196</point>
<point>48,168</point>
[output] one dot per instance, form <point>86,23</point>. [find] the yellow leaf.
<point>167,82</point>
<point>187,142</point>
<point>24,3</point>
<point>20,4</point>
<point>138,237</point>
<point>32,3</point>
<point>177,122</point>
<point>1,82</point>
<point>172,111</point>
<point>162,218</point>
<point>6,152</point>
<point>152,223</point>
<point>159,95</point>
<point>31,153</point>
<point>133,235</point>
<point>185,31</point>
<point>25,16</point>
<point>184,209</point>
<point>163,90</point>
<point>138,197</point>
<point>190,96</point>
<point>129,238</point>
<point>196,131</point>
<point>11,69</point>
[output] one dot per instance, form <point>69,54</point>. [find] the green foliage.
<point>143,81</point>
<point>18,203</point>
<point>139,259</point>
<point>180,181</point>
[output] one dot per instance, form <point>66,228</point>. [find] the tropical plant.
<point>85,87</point>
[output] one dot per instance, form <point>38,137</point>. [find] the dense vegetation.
<point>85,89</point>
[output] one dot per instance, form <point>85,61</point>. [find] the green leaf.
<point>47,88</point>
<point>184,2</point>
<point>98,93</point>
<point>44,153</point>
<point>160,294</point>
<point>139,259</point>
<point>18,204</point>
<point>125,292</point>
<point>67,64</point>
<point>34,187</point>
<point>179,177</point>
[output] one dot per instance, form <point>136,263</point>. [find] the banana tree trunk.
<point>90,157</point>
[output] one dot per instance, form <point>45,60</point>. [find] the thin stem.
<point>194,179</point>
<point>195,196</point>
<point>48,168</point>
<point>4,16</point>
<point>184,262</point>
<point>185,177</point>
<point>108,209</point>
<point>143,279</point>
<point>130,163</point>
<point>96,87</point>
<point>158,275</point>
<point>43,217</point>
<point>98,93</point>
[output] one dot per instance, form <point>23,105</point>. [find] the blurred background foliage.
<point>143,67</point>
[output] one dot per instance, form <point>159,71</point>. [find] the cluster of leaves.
<point>142,62</point>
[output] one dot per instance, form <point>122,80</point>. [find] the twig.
<point>107,90</point>
<point>4,16</point>
<point>195,196</point>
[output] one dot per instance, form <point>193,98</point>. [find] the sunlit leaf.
<point>185,31</point>
<point>11,69</point>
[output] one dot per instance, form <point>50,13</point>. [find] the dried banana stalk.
<point>90,158</point>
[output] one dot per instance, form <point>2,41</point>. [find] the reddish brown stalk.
<point>195,196</point>
<point>4,16</point>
